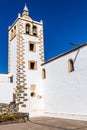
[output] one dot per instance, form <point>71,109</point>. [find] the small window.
<point>43,74</point>
<point>34,30</point>
<point>14,30</point>
<point>11,33</point>
<point>32,65</point>
<point>27,28</point>
<point>70,65</point>
<point>32,47</point>
<point>11,79</point>
<point>15,27</point>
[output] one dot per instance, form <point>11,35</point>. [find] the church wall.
<point>66,92</point>
<point>6,92</point>
<point>4,78</point>
<point>6,89</point>
<point>13,59</point>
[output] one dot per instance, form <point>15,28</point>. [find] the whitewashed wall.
<point>6,89</point>
<point>13,58</point>
<point>65,92</point>
<point>4,78</point>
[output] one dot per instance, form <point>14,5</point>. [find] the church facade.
<point>57,87</point>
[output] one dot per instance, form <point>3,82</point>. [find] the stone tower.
<point>26,54</point>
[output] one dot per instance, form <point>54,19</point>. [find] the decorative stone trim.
<point>23,105</point>
<point>25,94</point>
<point>20,102</point>
<point>13,33</point>
<point>21,97</point>
<point>25,100</point>
<point>21,76</point>
<point>41,48</point>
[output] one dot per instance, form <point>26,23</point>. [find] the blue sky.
<point>64,21</point>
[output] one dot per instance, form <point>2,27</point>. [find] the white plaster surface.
<point>13,58</point>
<point>66,92</point>
<point>6,89</point>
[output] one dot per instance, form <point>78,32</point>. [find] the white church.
<point>56,88</point>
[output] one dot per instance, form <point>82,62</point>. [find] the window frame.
<point>70,65</point>
<point>29,65</point>
<point>34,47</point>
<point>43,73</point>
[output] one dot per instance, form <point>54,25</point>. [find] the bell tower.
<point>26,54</point>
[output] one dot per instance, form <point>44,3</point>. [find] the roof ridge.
<point>65,53</point>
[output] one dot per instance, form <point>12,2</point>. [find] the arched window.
<point>34,30</point>
<point>14,30</point>
<point>43,74</point>
<point>70,65</point>
<point>11,33</point>
<point>27,29</point>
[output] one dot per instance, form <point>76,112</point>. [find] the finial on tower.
<point>25,11</point>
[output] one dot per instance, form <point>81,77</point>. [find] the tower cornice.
<point>27,20</point>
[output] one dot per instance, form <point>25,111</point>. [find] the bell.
<point>34,31</point>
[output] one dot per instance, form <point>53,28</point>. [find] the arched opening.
<point>34,30</point>
<point>27,28</point>
<point>43,74</point>
<point>70,65</point>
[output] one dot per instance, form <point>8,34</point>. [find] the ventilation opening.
<point>32,94</point>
